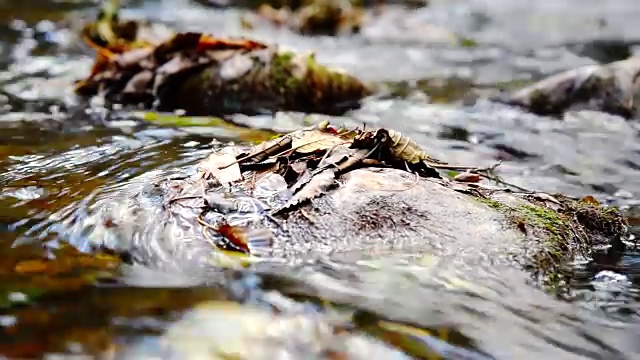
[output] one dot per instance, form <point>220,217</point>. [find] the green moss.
<point>551,237</point>
<point>541,216</point>
<point>280,74</point>
<point>491,203</point>
<point>467,42</point>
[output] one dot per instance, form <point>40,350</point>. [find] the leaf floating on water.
<point>318,184</point>
<point>216,165</point>
<point>315,140</point>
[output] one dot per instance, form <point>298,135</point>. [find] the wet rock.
<point>317,17</point>
<point>611,88</point>
<point>283,210</point>
<point>203,75</point>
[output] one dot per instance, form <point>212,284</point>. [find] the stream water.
<point>57,155</point>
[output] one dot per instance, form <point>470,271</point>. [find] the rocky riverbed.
<point>402,270</point>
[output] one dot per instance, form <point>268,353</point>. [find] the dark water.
<point>57,156</point>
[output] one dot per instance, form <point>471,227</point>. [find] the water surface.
<point>58,155</point>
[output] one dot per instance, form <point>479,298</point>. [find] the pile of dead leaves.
<point>309,161</point>
<point>205,75</point>
<point>137,73</point>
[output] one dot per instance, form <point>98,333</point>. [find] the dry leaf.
<point>265,149</point>
<point>299,167</point>
<point>213,163</point>
<point>247,239</point>
<point>208,42</point>
<point>314,140</point>
<point>318,184</point>
<point>590,200</point>
<point>467,177</point>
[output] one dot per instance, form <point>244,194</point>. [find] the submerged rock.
<point>219,330</point>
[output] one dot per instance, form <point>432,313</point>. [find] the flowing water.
<point>57,155</point>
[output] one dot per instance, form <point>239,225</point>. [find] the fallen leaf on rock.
<point>265,149</point>
<point>317,185</point>
<point>590,200</point>
<point>315,140</point>
<point>299,167</point>
<point>467,177</point>
<point>216,165</point>
<point>208,42</point>
<point>219,203</point>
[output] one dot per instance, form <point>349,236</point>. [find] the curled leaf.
<point>317,185</point>
<point>214,165</point>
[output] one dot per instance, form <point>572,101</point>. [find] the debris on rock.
<point>205,75</point>
<point>307,162</point>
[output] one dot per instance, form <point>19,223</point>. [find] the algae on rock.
<point>558,229</point>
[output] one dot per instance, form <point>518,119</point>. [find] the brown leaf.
<point>246,239</point>
<point>590,200</point>
<point>467,177</point>
<point>212,164</point>
<point>180,42</point>
<point>208,42</point>
<point>314,140</point>
<point>265,149</point>
<point>318,184</point>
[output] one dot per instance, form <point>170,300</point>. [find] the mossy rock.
<point>559,229</point>
<point>372,214</point>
